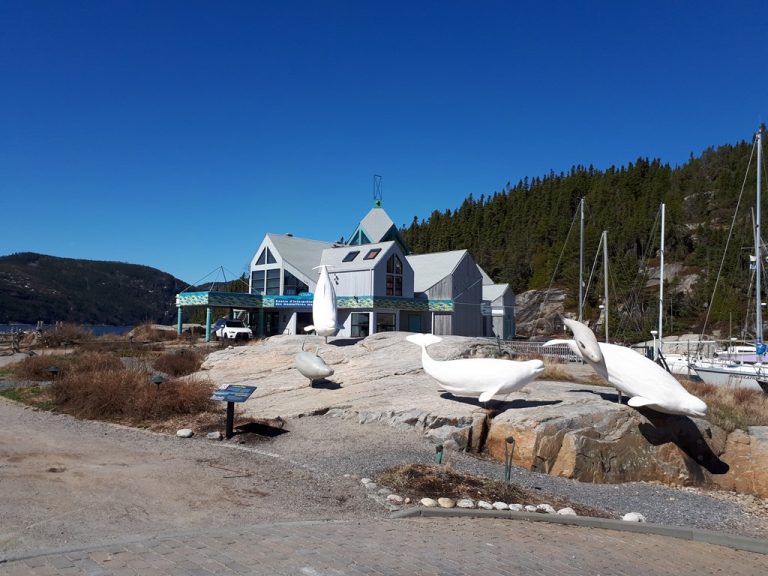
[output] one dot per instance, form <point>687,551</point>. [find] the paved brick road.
<point>418,546</point>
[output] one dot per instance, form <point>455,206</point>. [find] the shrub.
<point>128,395</point>
<point>180,363</point>
<point>147,332</point>
<point>37,367</point>
<point>64,334</point>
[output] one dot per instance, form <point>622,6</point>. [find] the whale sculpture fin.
<point>639,402</point>
<point>488,394</point>
<point>423,339</point>
<point>309,328</point>
<point>556,342</point>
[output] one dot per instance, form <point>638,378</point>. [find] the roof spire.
<point>377,201</point>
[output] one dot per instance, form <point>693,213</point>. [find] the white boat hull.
<point>748,376</point>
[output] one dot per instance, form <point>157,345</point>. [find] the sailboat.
<point>729,373</point>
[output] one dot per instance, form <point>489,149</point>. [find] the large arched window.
<point>394,276</point>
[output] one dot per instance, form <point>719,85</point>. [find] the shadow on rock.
<point>263,428</point>
<point>499,405</point>
<point>609,396</point>
<point>344,341</point>
<point>326,385</point>
<point>683,433</point>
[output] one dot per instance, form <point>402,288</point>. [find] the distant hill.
<point>38,287</point>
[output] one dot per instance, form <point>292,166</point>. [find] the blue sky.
<point>176,134</point>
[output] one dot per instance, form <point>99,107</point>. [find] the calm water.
<point>97,330</point>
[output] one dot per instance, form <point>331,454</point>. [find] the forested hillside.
<point>517,234</point>
<point>36,287</point>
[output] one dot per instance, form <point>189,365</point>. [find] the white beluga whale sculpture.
<point>323,306</point>
<point>311,366</point>
<point>642,380</point>
<point>481,378</point>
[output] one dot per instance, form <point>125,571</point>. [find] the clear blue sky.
<point>176,134</point>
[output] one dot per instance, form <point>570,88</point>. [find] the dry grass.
<point>179,363</point>
<point>554,370</point>
<point>147,333</point>
<point>129,396</point>
<point>731,408</point>
<point>64,335</point>
<point>37,367</point>
<point>421,480</point>
<point>96,385</point>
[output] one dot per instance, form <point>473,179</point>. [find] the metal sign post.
<point>231,394</point>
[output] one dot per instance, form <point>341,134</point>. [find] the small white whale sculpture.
<point>645,382</point>
<point>481,378</point>
<point>323,306</point>
<point>312,366</point>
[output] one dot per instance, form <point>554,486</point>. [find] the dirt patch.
<point>429,481</point>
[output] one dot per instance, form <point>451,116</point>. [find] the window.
<point>265,257</point>
<point>292,285</point>
<point>361,324</point>
<point>385,322</point>
<point>273,281</point>
<point>394,276</point>
<point>351,256</point>
<point>372,254</point>
<point>359,238</point>
<point>257,282</point>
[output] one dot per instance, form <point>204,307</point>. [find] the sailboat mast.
<point>758,258</point>
<point>661,285</point>
<point>605,274</point>
<point>581,261</point>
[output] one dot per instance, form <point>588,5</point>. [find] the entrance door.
<point>303,319</point>
<point>271,322</point>
<point>414,322</point>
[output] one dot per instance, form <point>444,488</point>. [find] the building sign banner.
<point>288,302</point>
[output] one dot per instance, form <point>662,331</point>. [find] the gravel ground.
<point>66,481</point>
<point>334,447</point>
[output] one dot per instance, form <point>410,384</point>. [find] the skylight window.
<point>351,256</point>
<point>372,254</point>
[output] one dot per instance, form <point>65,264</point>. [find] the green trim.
<point>244,300</point>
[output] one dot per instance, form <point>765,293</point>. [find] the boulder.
<point>747,455</point>
<point>594,439</point>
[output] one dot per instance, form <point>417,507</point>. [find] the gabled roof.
<point>493,292</point>
<point>486,279</point>
<point>301,253</point>
<point>429,269</point>
<point>334,257</point>
<point>377,227</point>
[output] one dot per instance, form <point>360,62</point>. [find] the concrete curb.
<point>717,538</point>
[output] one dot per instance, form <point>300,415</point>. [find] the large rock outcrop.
<point>571,429</point>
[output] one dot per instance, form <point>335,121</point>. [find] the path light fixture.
<point>439,454</point>
<point>654,333</point>
<point>53,371</point>
<point>509,450</point>
<point>157,379</point>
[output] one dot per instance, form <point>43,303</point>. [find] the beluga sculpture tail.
<point>481,378</point>
<point>323,306</point>
<point>642,380</point>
